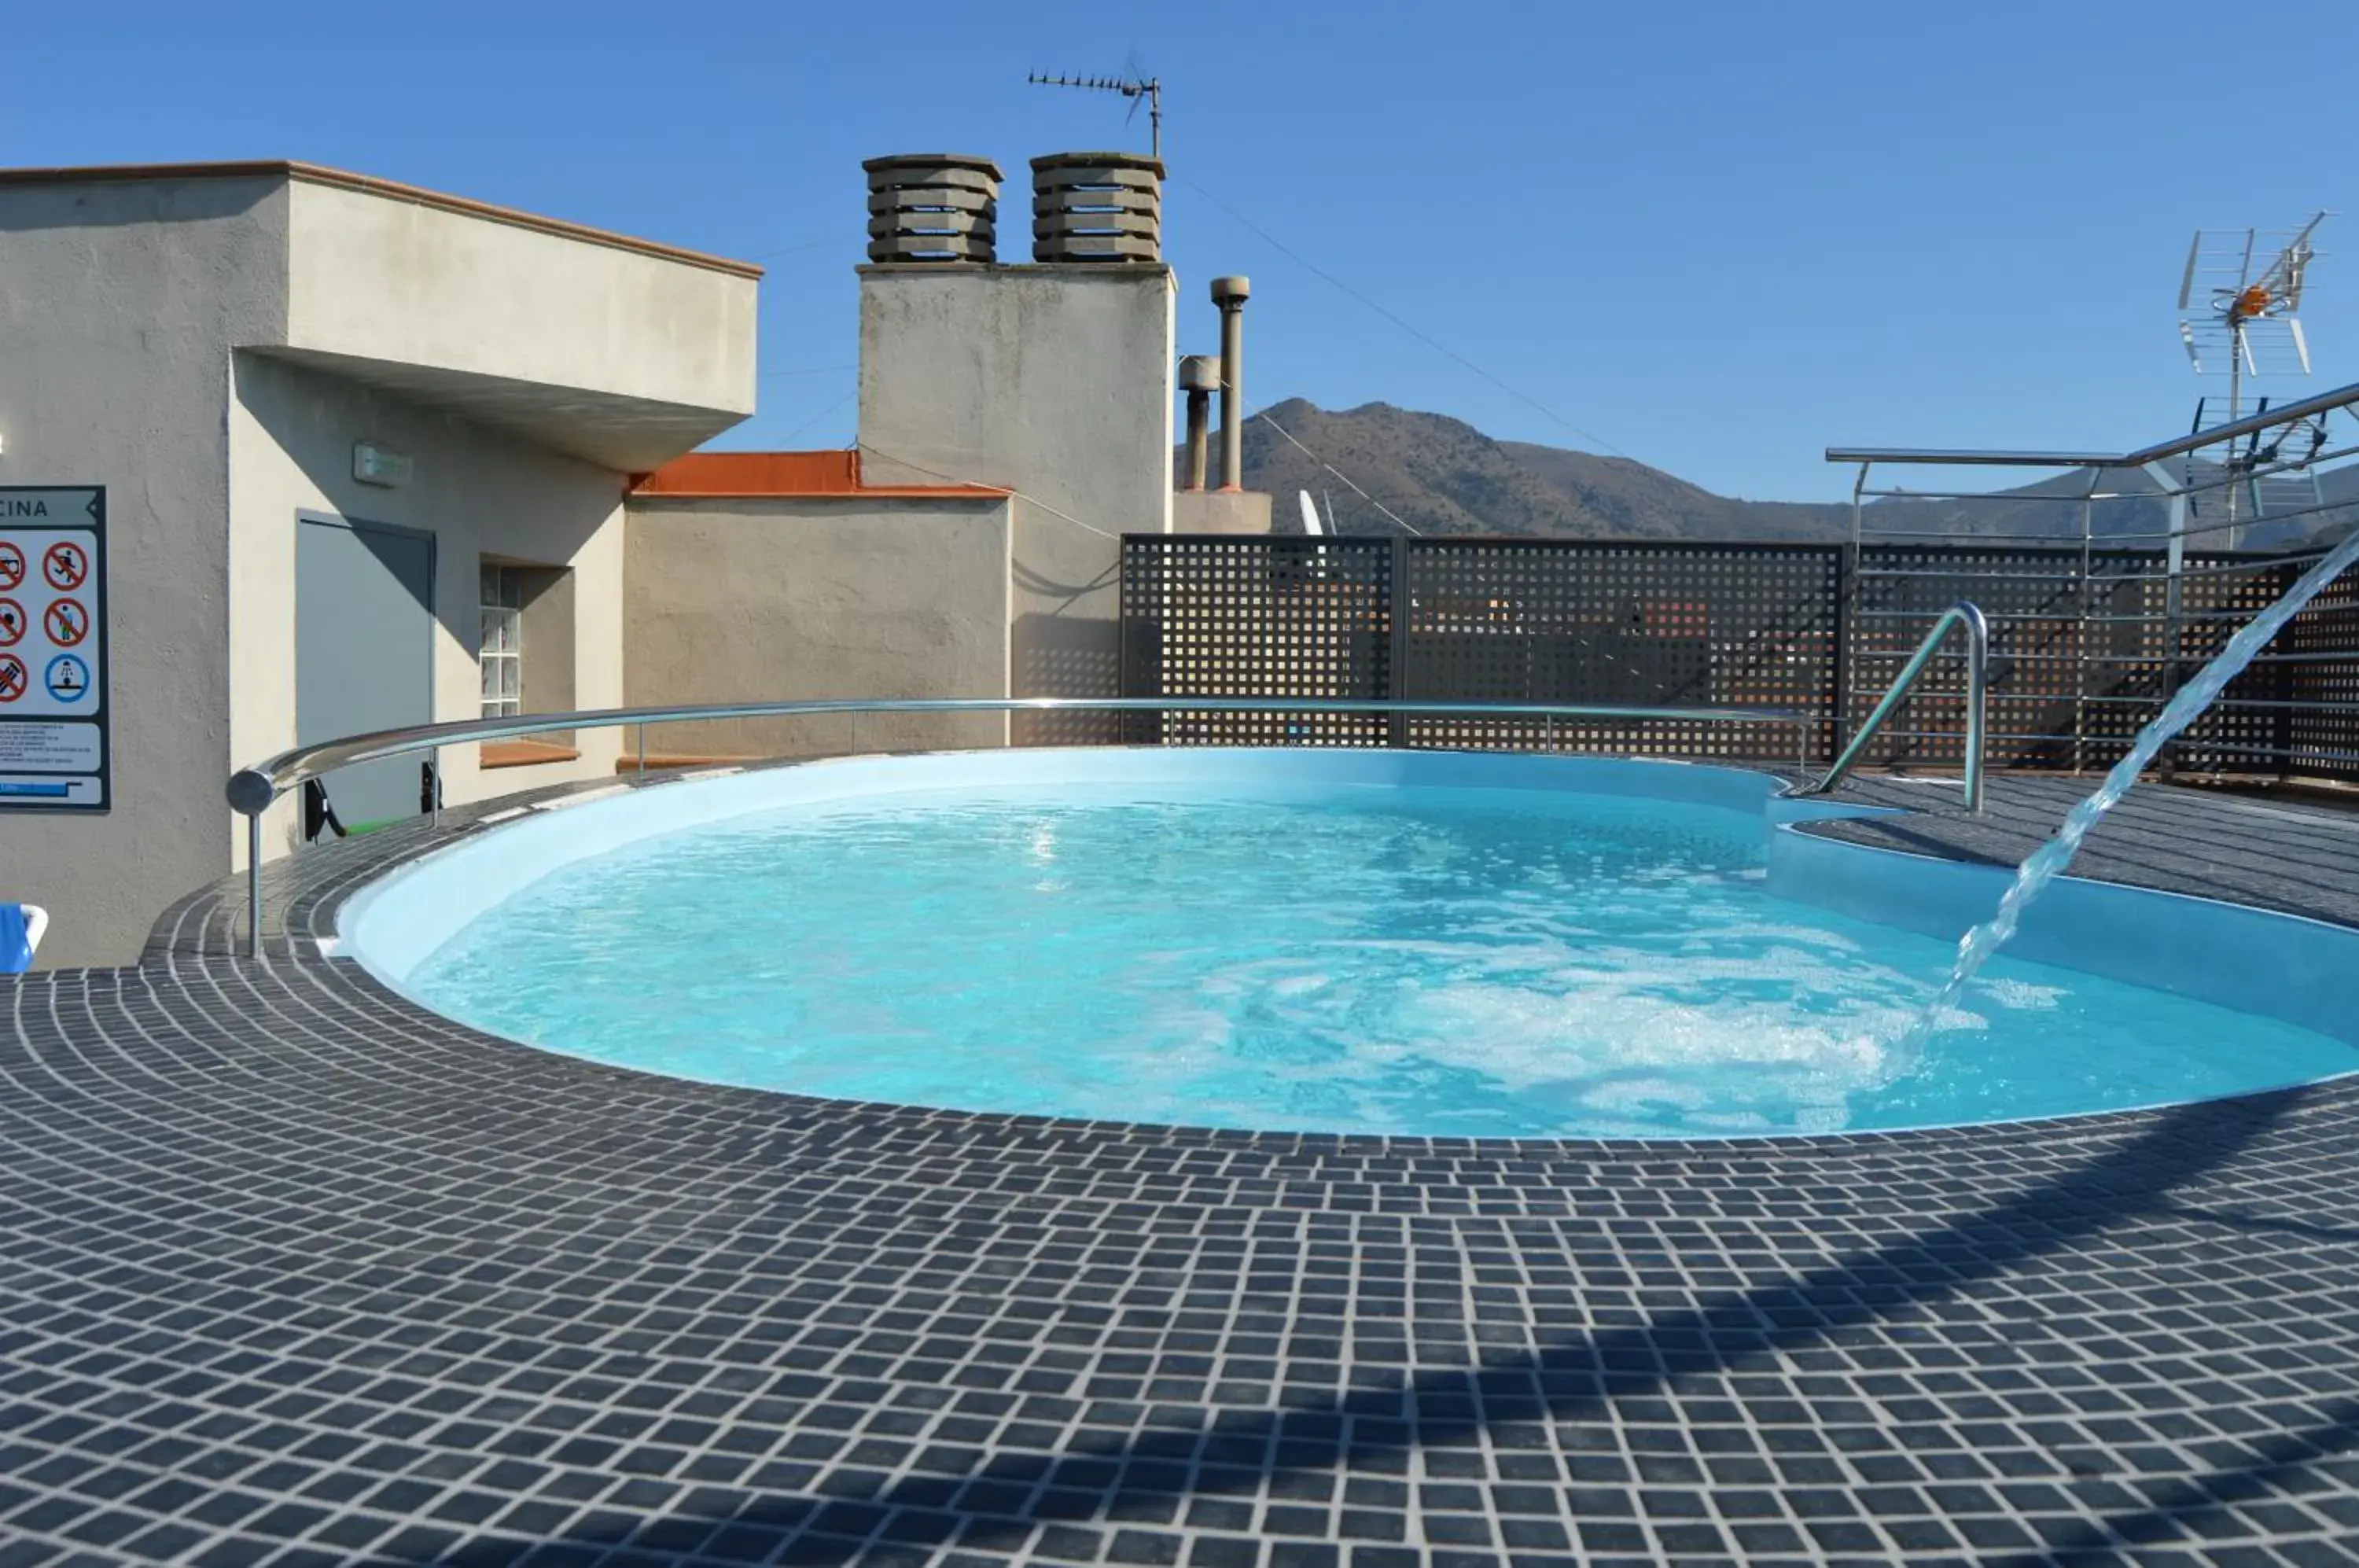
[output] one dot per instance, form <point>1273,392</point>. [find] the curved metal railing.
<point>1965,614</point>
<point>253,789</point>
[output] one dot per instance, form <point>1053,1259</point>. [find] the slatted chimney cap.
<point>1137,161</point>
<point>919,164</point>
<point>1097,207</point>
<point>932,207</point>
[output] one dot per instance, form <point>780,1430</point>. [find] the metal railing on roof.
<point>2178,446</point>
<point>252,790</point>
<point>1965,616</point>
<point>2214,498</point>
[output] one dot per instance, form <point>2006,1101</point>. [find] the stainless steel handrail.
<point>2251,424</point>
<point>252,789</point>
<point>1966,614</point>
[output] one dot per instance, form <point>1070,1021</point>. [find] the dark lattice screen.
<point>2035,675</point>
<point>1247,616</point>
<point>2077,665</point>
<point>2324,743</point>
<point>2245,731</point>
<point>1638,625</point>
<point>2082,654</point>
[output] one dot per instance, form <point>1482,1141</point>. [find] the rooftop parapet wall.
<point>765,596</point>
<point>782,474</point>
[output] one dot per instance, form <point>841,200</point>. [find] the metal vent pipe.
<point>1229,294</point>
<point>1200,377</point>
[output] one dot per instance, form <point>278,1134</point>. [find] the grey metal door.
<point>364,653</point>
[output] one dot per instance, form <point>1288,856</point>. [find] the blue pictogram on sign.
<point>68,679</point>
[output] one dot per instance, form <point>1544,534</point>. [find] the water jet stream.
<point>2048,861</point>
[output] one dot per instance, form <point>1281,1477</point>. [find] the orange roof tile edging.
<point>781,473</point>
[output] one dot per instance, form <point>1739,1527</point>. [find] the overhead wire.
<point>822,414</point>
<point>859,445</point>
<point>1338,473</point>
<point>1410,327</point>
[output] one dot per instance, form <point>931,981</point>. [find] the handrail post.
<point>1977,701</point>
<point>254,886</point>
<point>1847,613</point>
<point>1965,613</point>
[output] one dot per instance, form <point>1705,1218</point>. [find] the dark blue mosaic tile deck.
<point>294,1273</point>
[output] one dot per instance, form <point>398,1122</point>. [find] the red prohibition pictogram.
<point>12,565</point>
<point>66,621</point>
<point>64,565</point>
<point>12,677</point>
<point>12,623</point>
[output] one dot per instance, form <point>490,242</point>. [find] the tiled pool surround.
<point>293,1271</point>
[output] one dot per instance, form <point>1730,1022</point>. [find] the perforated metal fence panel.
<point>1222,616</point>
<point>2079,663</point>
<point>2322,735</point>
<point>2244,732</point>
<point>2083,645</point>
<point>1897,592</point>
<point>1625,624</point>
<point>1483,621</point>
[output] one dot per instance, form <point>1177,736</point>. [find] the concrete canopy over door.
<point>363,652</point>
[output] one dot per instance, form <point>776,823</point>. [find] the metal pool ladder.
<point>1964,613</point>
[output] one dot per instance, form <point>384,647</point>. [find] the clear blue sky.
<point>1716,235</point>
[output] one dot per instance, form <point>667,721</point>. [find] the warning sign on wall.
<point>54,751</point>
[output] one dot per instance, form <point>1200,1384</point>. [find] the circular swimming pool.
<point>1413,943</point>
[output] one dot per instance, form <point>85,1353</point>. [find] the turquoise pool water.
<point>1435,961</point>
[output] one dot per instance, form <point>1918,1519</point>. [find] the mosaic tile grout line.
<point>277,1240</point>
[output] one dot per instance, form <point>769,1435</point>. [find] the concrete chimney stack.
<point>932,207</point>
<point>1229,294</point>
<point>1200,377</point>
<point>1097,206</point>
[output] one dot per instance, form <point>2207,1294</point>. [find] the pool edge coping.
<point>323,877</point>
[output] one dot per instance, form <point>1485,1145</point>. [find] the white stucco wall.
<point>1220,512</point>
<point>1055,381</point>
<point>426,287</point>
<point>762,599</point>
<point>149,328</point>
<point>479,492</point>
<point>1064,629</point>
<point>118,305</point>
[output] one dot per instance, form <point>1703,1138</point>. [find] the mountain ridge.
<point>1440,475</point>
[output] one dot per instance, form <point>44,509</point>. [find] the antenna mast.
<point>2239,316</point>
<point>1148,90</point>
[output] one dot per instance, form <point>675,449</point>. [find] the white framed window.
<point>502,654</point>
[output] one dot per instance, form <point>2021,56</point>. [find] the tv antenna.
<point>1138,87</point>
<point>2239,316</point>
